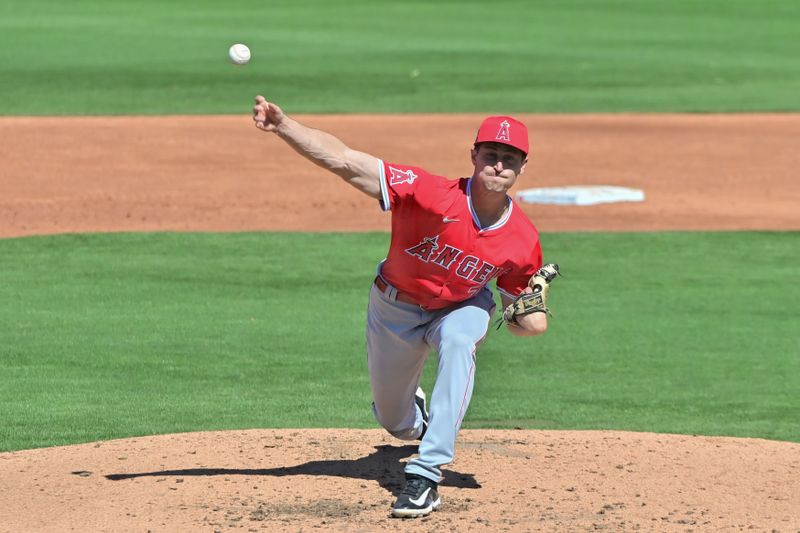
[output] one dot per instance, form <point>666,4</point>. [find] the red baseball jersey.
<point>439,254</point>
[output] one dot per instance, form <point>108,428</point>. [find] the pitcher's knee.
<point>400,432</point>
<point>404,434</point>
<point>395,425</point>
<point>458,343</point>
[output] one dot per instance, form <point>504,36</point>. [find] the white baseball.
<point>239,54</point>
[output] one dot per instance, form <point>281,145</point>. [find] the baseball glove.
<point>534,302</point>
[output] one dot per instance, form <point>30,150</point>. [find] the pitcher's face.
<point>497,165</point>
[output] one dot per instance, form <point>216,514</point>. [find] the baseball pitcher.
<point>450,238</point>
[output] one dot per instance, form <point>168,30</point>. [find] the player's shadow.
<point>383,465</point>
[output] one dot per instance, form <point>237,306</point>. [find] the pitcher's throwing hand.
<point>266,115</point>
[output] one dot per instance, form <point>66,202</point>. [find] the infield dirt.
<point>718,172</point>
<point>699,172</point>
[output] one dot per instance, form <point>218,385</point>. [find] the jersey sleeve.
<point>400,182</point>
<point>514,281</point>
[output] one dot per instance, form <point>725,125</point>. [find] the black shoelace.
<point>414,487</point>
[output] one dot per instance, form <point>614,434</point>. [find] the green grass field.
<point>359,56</point>
<point>128,334</point>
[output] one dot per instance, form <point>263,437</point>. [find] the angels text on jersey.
<point>468,267</point>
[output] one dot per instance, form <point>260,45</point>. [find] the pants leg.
<point>455,335</point>
<point>396,354</point>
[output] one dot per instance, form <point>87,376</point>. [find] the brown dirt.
<point>220,174</point>
<point>343,480</point>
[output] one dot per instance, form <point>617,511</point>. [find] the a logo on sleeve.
<point>504,134</point>
<point>401,176</point>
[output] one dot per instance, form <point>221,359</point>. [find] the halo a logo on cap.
<point>498,129</point>
<point>504,134</point>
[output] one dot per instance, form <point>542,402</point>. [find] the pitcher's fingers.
<point>274,110</point>
<point>259,112</point>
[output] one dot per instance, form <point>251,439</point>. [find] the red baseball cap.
<point>505,130</point>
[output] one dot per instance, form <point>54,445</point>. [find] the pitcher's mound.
<point>345,480</point>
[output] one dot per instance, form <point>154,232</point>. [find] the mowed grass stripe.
<point>362,56</point>
<point>114,335</point>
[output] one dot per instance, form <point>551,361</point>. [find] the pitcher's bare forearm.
<point>529,325</point>
<point>360,170</point>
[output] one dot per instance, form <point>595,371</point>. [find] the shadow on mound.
<point>383,466</point>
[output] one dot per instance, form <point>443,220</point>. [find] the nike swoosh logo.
<point>447,220</point>
<point>421,499</point>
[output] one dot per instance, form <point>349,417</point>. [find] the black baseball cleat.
<point>419,398</point>
<point>418,498</point>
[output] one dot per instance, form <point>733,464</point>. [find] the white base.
<point>580,195</point>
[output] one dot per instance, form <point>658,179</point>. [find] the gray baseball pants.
<point>399,339</point>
